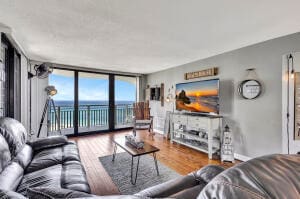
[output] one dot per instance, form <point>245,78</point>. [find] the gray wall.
<point>256,124</point>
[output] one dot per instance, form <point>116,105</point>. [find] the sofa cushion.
<point>273,176</point>
<point>5,155</point>
<point>52,156</point>
<point>11,176</point>
<point>15,134</point>
<point>45,158</point>
<point>74,177</point>
<point>48,142</point>
<point>54,193</point>
<point>70,152</point>
<point>48,177</point>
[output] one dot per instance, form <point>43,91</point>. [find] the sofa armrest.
<point>169,188</point>
<point>48,142</point>
<point>182,184</point>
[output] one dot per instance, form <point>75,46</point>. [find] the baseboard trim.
<point>241,157</point>
<point>158,131</point>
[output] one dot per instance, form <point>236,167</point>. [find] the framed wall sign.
<point>201,73</point>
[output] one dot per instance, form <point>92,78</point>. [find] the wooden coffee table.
<point>134,152</point>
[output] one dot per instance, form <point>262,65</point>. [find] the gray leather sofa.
<point>51,168</point>
<point>49,162</point>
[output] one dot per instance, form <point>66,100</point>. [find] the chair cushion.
<point>48,177</point>
<point>74,177</point>
<point>143,121</point>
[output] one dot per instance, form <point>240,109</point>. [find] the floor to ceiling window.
<point>93,98</point>
<point>125,96</point>
<point>91,102</point>
<point>64,101</point>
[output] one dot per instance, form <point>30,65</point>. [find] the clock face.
<point>250,89</point>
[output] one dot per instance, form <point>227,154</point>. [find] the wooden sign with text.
<point>201,73</point>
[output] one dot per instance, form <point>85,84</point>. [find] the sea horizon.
<point>90,102</point>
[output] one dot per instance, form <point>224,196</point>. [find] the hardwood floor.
<point>178,157</point>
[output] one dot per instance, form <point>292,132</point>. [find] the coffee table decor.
<point>134,142</point>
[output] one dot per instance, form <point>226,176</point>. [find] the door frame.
<point>111,99</point>
<point>13,74</point>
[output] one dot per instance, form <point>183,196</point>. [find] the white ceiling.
<point>143,36</point>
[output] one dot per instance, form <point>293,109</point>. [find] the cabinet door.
<point>197,122</point>
<point>180,119</point>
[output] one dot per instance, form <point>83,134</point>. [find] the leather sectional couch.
<point>49,162</point>
<point>51,168</point>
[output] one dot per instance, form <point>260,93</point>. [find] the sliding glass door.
<point>125,96</point>
<point>91,102</point>
<point>64,101</point>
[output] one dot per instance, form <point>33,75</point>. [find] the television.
<point>200,96</point>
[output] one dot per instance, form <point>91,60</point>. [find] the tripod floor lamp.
<point>51,91</point>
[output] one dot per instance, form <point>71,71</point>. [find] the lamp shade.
<point>51,90</point>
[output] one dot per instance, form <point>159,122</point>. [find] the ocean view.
<point>90,113</point>
<point>89,102</point>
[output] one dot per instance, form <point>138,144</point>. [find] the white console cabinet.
<point>200,132</point>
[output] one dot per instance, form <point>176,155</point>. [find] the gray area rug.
<point>119,171</point>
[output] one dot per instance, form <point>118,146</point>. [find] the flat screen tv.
<point>200,96</point>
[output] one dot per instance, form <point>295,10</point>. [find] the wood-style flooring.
<point>177,157</point>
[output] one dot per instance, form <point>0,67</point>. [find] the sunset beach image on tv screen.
<point>200,96</point>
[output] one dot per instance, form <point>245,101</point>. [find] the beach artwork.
<point>200,96</point>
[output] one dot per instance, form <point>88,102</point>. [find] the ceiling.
<point>143,36</point>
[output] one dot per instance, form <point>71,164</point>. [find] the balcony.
<point>90,118</point>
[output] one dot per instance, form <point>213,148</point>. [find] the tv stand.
<point>198,131</point>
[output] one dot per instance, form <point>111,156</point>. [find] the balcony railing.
<point>89,116</point>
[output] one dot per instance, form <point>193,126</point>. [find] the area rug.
<point>119,171</point>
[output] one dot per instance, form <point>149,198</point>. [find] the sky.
<point>91,89</point>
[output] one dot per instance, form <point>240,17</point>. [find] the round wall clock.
<point>250,89</point>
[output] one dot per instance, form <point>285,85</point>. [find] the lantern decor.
<point>227,150</point>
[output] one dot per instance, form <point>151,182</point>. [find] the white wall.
<point>24,92</point>
<point>38,99</point>
<point>294,145</point>
<point>256,124</point>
